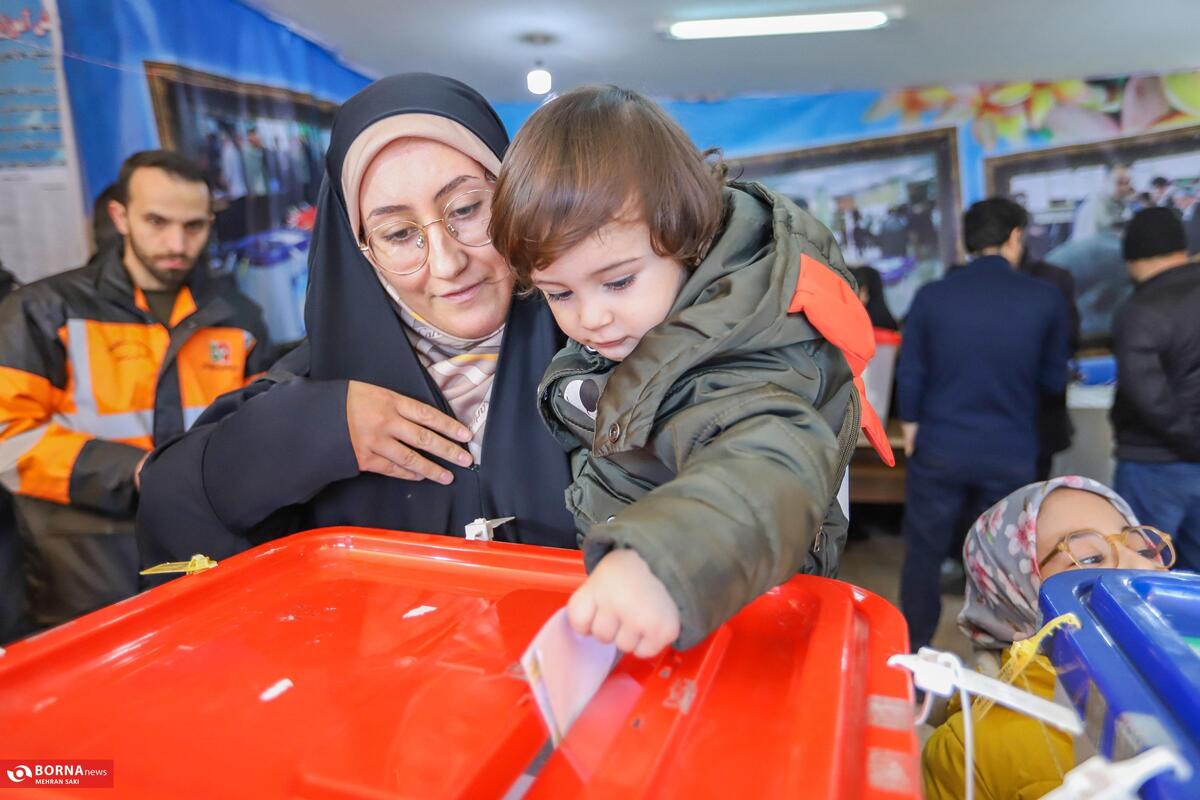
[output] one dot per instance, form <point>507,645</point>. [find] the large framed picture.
<point>1080,197</point>
<point>262,149</point>
<point>892,202</point>
<point>261,146</point>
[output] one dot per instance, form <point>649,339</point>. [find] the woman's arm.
<point>253,452</point>
<point>274,445</point>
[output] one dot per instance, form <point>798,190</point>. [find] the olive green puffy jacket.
<point>715,449</point>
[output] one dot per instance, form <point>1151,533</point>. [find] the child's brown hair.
<point>600,154</point>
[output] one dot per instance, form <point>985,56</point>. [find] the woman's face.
<point>465,291</point>
<point>1065,511</point>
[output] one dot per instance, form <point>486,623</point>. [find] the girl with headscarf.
<point>1034,533</point>
<point>410,405</point>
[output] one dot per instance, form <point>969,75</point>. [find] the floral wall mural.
<point>1027,112</point>
<point>1082,156</point>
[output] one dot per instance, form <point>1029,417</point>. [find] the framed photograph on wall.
<point>262,146</point>
<point>262,149</point>
<point>892,202</point>
<point>1079,198</point>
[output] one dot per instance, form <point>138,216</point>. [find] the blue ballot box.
<point>1133,668</point>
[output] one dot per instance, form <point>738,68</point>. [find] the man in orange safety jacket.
<point>99,365</point>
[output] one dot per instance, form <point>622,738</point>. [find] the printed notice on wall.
<point>41,206</point>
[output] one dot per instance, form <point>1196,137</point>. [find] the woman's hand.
<point>137,471</point>
<point>622,602</point>
<point>388,429</point>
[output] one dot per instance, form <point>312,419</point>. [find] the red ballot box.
<point>353,663</point>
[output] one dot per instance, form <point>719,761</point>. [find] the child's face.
<point>607,291</point>
<point>1065,512</point>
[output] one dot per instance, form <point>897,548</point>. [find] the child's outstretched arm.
<point>754,480</point>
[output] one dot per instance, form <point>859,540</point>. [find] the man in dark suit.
<point>981,346</point>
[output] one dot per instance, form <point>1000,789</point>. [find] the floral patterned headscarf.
<point>1001,562</point>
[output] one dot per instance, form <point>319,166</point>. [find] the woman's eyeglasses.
<point>401,246</point>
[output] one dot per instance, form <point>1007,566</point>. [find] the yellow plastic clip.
<point>199,563</point>
<point>1021,655</point>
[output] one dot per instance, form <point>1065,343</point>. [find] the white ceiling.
<point>936,41</point>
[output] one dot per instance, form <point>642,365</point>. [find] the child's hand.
<point>622,602</point>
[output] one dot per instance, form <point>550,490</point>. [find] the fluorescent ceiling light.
<point>777,26</point>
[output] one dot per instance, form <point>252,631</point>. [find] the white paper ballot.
<point>565,670</point>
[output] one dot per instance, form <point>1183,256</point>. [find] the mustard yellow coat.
<point>1016,756</point>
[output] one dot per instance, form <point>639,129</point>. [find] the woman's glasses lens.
<point>401,246</point>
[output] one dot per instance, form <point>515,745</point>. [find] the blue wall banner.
<point>241,95</point>
<point>106,45</point>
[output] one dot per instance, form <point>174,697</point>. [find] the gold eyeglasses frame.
<point>1113,540</point>
<point>365,244</point>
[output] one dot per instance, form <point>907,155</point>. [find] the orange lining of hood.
<point>833,308</point>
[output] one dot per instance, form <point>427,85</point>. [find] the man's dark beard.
<point>170,279</point>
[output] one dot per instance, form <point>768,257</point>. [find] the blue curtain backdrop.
<point>106,43</point>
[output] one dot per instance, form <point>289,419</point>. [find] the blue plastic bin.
<point>1131,670</point>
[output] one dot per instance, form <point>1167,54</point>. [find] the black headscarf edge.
<point>353,332</point>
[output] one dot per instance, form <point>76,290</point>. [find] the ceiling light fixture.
<point>777,26</point>
<point>539,79</point>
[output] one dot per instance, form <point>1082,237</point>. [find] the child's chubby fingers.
<point>651,644</point>
<point>673,627</point>
<point>581,610</point>
<point>659,633</point>
<point>629,638</point>
<point>605,625</point>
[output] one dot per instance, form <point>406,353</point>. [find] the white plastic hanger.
<point>943,674</point>
<point>1101,779</point>
<point>935,672</point>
